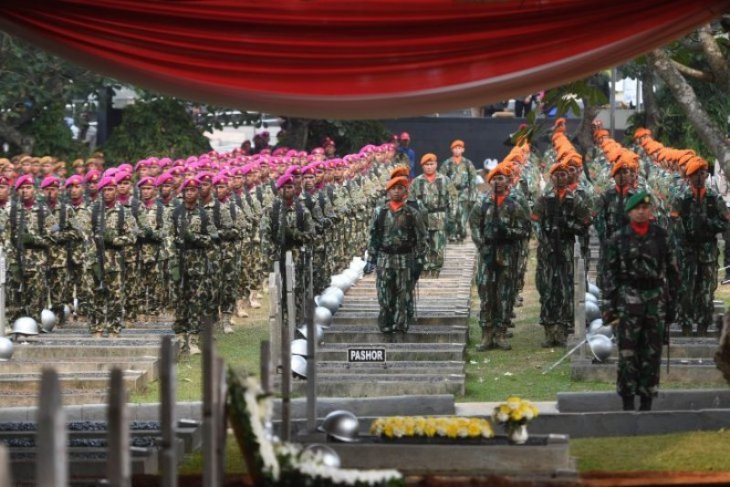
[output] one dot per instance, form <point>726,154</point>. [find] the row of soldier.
<point>196,237</point>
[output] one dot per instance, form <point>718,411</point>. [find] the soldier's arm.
<point>580,218</point>
<point>519,225</point>
<point>475,222</point>
<point>375,238</point>
<point>612,275</point>
<point>672,277</point>
<point>421,234</point>
<point>130,230</point>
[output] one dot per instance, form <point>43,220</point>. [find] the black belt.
<point>643,284</point>
<point>437,210</point>
<point>397,250</point>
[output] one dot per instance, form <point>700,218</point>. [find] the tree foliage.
<point>349,135</point>
<point>160,127</point>
<point>35,86</point>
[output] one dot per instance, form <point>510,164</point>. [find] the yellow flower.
<point>474,429</point>
<point>388,430</point>
<point>430,429</point>
<point>452,430</point>
<point>513,402</point>
<point>516,415</point>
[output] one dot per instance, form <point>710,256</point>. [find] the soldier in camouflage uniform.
<point>32,226</point>
<point>166,187</point>
<point>59,251</point>
<point>318,205</point>
<point>397,247</point>
<point>287,225</point>
<point>153,221</point>
<point>231,238</point>
<point>81,276</point>
<point>561,215</point>
<point>639,298</point>
<point>223,224</point>
<point>253,272</point>
<point>193,233</point>
<point>114,230</point>
<point>462,174</point>
<point>700,214</point>
<point>438,196</point>
<point>499,222</point>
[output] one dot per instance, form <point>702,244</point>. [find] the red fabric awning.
<point>352,59</point>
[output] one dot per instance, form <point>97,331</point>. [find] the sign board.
<point>366,355</point>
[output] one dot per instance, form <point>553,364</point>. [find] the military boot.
<point>253,302</point>
<point>193,341</point>
<point>487,341</point>
<point>501,341</point>
<point>645,403</point>
<point>628,403</point>
<point>182,339</point>
<point>701,331</point>
<point>549,341</point>
<point>560,336</point>
<point>686,330</point>
<point>226,321</point>
<point>241,308</point>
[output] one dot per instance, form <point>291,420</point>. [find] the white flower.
<point>502,417</point>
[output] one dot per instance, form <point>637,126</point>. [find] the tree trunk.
<point>14,137</point>
<point>718,64</point>
<point>651,109</point>
<point>584,135</point>
<point>705,127</point>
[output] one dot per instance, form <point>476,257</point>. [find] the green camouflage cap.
<point>635,200</point>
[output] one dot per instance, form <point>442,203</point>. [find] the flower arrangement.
<point>453,427</point>
<point>275,463</point>
<point>515,411</point>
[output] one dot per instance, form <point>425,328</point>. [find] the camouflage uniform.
<point>251,266</point>
<point>497,230</point>
<point>151,255</point>
<point>230,248</point>
<point>287,228</point>
<point>463,177</point>
<point>216,259</point>
<point>82,277</point>
<point>640,290</point>
<point>192,234</point>
<point>559,220</point>
<point>32,229</point>
<point>60,259</point>
<point>318,205</point>
<point>610,217</point>
<point>119,233</point>
<point>699,221</point>
<point>397,247</point>
<point>438,200</point>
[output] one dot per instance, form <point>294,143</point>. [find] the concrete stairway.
<point>429,359</point>
<point>83,363</point>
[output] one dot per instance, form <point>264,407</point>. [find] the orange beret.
<point>400,180</point>
<point>630,158</point>
<point>430,157</point>
<point>502,169</point>
<point>399,171</point>
<point>558,166</point>
<point>572,159</point>
<point>78,163</point>
<point>601,133</point>
<point>695,164</point>
<point>457,143</point>
<point>641,131</point>
<point>684,156</point>
<point>618,166</point>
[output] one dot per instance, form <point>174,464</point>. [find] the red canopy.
<point>352,59</point>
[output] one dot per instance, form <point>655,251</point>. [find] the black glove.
<point>369,267</point>
<point>109,236</point>
<point>149,234</point>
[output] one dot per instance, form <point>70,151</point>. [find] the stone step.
<point>681,371</point>
<point>100,348</point>
<point>134,380</point>
<point>83,364</point>
<point>416,334</point>
<point>666,400</point>
<point>152,331</point>
<point>72,397</point>
<point>458,318</point>
<point>392,368</point>
<point>384,385</point>
<point>85,465</point>
<point>337,352</point>
<point>681,347</point>
<point>83,325</point>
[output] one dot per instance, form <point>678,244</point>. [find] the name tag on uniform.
<point>366,355</point>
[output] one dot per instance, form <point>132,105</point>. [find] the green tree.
<point>35,88</point>
<point>160,127</point>
<point>349,135</point>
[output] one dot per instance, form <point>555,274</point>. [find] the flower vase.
<point>518,434</point>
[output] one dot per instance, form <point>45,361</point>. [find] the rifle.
<point>20,245</point>
<point>182,225</point>
<point>555,234</point>
<point>99,242</point>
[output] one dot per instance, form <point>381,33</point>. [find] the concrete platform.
<point>681,371</point>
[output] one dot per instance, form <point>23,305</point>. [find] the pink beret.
<point>190,183</point>
<point>125,167</point>
<point>122,176</point>
<point>284,180</point>
<point>278,152</point>
<point>204,176</point>
<point>146,181</point>
<point>50,181</point>
<point>75,179</point>
<point>220,179</point>
<point>265,152</point>
<point>104,182</point>
<point>317,151</point>
<point>164,178</point>
<point>245,169</point>
<point>294,170</point>
<point>292,153</point>
<point>303,153</point>
<point>310,169</point>
<point>23,180</point>
<point>110,172</point>
<point>142,163</point>
<point>91,175</point>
